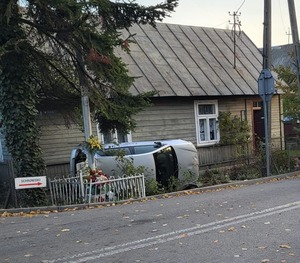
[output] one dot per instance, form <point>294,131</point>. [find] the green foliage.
<point>18,99</point>
<point>153,187</point>
<point>127,167</point>
<point>118,115</point>
<point>244,172</point>
<point>291,102</point>
<point>51,52</point>
<point>281,162</point>
<point>213,177</point>
<point>233,130</point>
<point>173,185</point>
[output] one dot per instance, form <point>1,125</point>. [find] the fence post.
<point>81,185</point>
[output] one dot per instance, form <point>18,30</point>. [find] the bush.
<point>244,172</point>
<point>213,177</point>
<point>281,162</point>
<point>153,187</point>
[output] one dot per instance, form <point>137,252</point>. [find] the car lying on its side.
<point>160,159</point>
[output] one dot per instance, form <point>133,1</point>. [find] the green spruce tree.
<point>51,52</point>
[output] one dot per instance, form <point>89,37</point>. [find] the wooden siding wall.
<point>277,128</point>
<point>166,119</point>
<point>174,118</point>
<point>57,140</point>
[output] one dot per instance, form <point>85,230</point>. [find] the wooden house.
<point>197,72</point>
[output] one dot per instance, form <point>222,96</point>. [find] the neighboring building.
<point>283,56</point>
<point>192,70</point>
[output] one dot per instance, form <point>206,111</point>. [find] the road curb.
<point>56,209</point>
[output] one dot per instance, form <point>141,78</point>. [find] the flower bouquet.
<point>100,184</point>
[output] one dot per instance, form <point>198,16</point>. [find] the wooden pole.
<point>267,65</point>
<point>295,36</point>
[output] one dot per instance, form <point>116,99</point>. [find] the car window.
<point>114,151</point>
<point>144,149</point>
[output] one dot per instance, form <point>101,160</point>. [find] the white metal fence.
<point>76,190</point>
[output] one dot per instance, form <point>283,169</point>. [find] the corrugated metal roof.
<point>178,60</point>
<point>283,56</point>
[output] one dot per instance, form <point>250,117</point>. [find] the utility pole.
<point>267,36</point>
<point>236,23</point>
<point>295,37</point>
<point>85,104</point>
<point>266,80</point>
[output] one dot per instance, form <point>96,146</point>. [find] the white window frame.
<point>114,136</point>
<point>207,118</point>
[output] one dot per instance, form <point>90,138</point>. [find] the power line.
<point>240,6</point>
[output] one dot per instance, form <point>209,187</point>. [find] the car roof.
<point>145,143</point>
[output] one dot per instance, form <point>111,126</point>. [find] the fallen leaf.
<point>216,241</point>
<point>265,260</point>
<point>262,247</point>
<point>231,229</point>
<point>183,235</point>
<point>285,246</point>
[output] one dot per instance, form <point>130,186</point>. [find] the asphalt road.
<point>255,223</point>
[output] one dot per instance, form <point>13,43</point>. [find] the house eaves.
<point>178,60</point>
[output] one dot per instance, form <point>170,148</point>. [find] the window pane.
<point>203,129</point>
<point>212,129</point>
<point>108,137</point>
<point>122,137</point>
<point>204,109</point>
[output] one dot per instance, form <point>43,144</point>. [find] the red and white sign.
<point>30,182</point>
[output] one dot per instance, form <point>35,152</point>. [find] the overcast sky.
<point>214,13</point>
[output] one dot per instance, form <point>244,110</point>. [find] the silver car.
<point>161,160</point>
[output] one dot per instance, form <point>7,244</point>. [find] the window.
<point>114,137</point>
<point>206,116</point>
